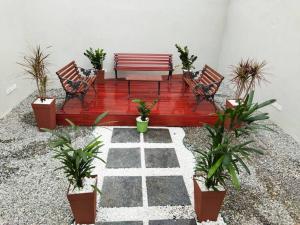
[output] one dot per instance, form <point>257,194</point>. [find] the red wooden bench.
<point>73,83</point>
<point>205,85</point>
<point>143,62</point>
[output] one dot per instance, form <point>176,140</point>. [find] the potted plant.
<point>186,60</point>
<point>144,109</point>
<point>77,164</point>
<point>225,157</point>
<point>97,57</point>
<point>35,65</point>
<point>246,74</point>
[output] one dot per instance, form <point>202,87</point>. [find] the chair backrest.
<point>210,76</point>
<point>68,72</point>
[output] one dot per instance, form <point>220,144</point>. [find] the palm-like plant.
<point>246,75</point>
<point>143,108</point>
<point>186,60</point>
<point>35,65</point>
<point>223,158</point>
<point>77,162</point>
<point>96,57</point>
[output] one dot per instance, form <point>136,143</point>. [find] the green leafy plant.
<point>77,162</point>
<point>246,74</point>
<point>223,158</point>
<point>143,108</point>
<point>96,57</point>
<point>35,65</point>
<point>186,60</point>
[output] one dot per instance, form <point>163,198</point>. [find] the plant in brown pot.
<point>224,158</point>
<point>246,75</point>
<point>35,65</point>
<point>77,164</point>
<point>97,57</point>
<point>187,60</point>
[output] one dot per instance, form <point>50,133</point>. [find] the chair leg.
<point>198,100</point>
<point>116,74</point>
<point>170,75</point>
<point>67,98</point>
<point>94,88</point>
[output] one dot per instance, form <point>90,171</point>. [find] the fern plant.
<point>96,57</point>
<point>143,108</point>
<point>223,158</point>
<point>186,60</point>
<point>35,65</point>
<point>77,162</point>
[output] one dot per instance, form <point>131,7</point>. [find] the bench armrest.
<point>206,88</point>
<point>87,72</point>
<point>75,85</point>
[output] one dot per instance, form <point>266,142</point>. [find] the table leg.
<point>128,89</point>
<point>158,88</point>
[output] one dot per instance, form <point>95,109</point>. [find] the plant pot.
<point>142,126</point>
<point>100,76</point>
<point>45,113</point>
<point>83,205</point>
<point>207,203</point>
<point>187,74</point>
<point>231,103</point>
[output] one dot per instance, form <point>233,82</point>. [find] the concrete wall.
<point>268,30</point>
<point>71,26</point>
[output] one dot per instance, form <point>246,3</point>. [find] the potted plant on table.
<point>77,164</point>
<point>97,58</point>
<point>186,60</point>
<point>246,75</point>
<point>144,109</point>
<point>224,158</point>
<point>35,65</point>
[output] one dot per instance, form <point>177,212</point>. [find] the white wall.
<point>268,30</point>
<point>12,45</point>
<point>71,26</point>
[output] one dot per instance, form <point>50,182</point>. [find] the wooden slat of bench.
<point>140,68</point>
<point>141,54</point>
<point>65,67</point>
<point>141,63</point>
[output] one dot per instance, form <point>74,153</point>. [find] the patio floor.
<point>32,192</point>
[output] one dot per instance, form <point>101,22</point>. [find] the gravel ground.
<point>28,182</point>
<point>270,195</point>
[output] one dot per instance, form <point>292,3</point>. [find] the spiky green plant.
<point>223,158</point>
<point>96,57</point>
<point>143,108</point>
<point>77,162</point>
<point>186,60</point>
<point>246,74</point>
<point>35,65</point>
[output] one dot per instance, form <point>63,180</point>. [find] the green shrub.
<point>96,57</point>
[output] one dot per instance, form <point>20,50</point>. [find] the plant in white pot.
<point>224,158</point>
<point>246,75</point>
<point>35,65</point>
<point>97,58</point>
<point>144,109</point>
<point>78,164</point>
<point>187,61</point>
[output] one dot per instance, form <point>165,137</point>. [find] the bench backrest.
<point>68,72</point>
<point>210,76</point>
<point>143,62</point>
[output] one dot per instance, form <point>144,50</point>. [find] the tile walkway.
<point>147,179</point>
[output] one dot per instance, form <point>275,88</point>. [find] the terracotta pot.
<point>187,74</point>
<point>207,203</point>
<point>100,76</point>
<point>231,103</point>
<point>45,113</point>
<point>83,206</point>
